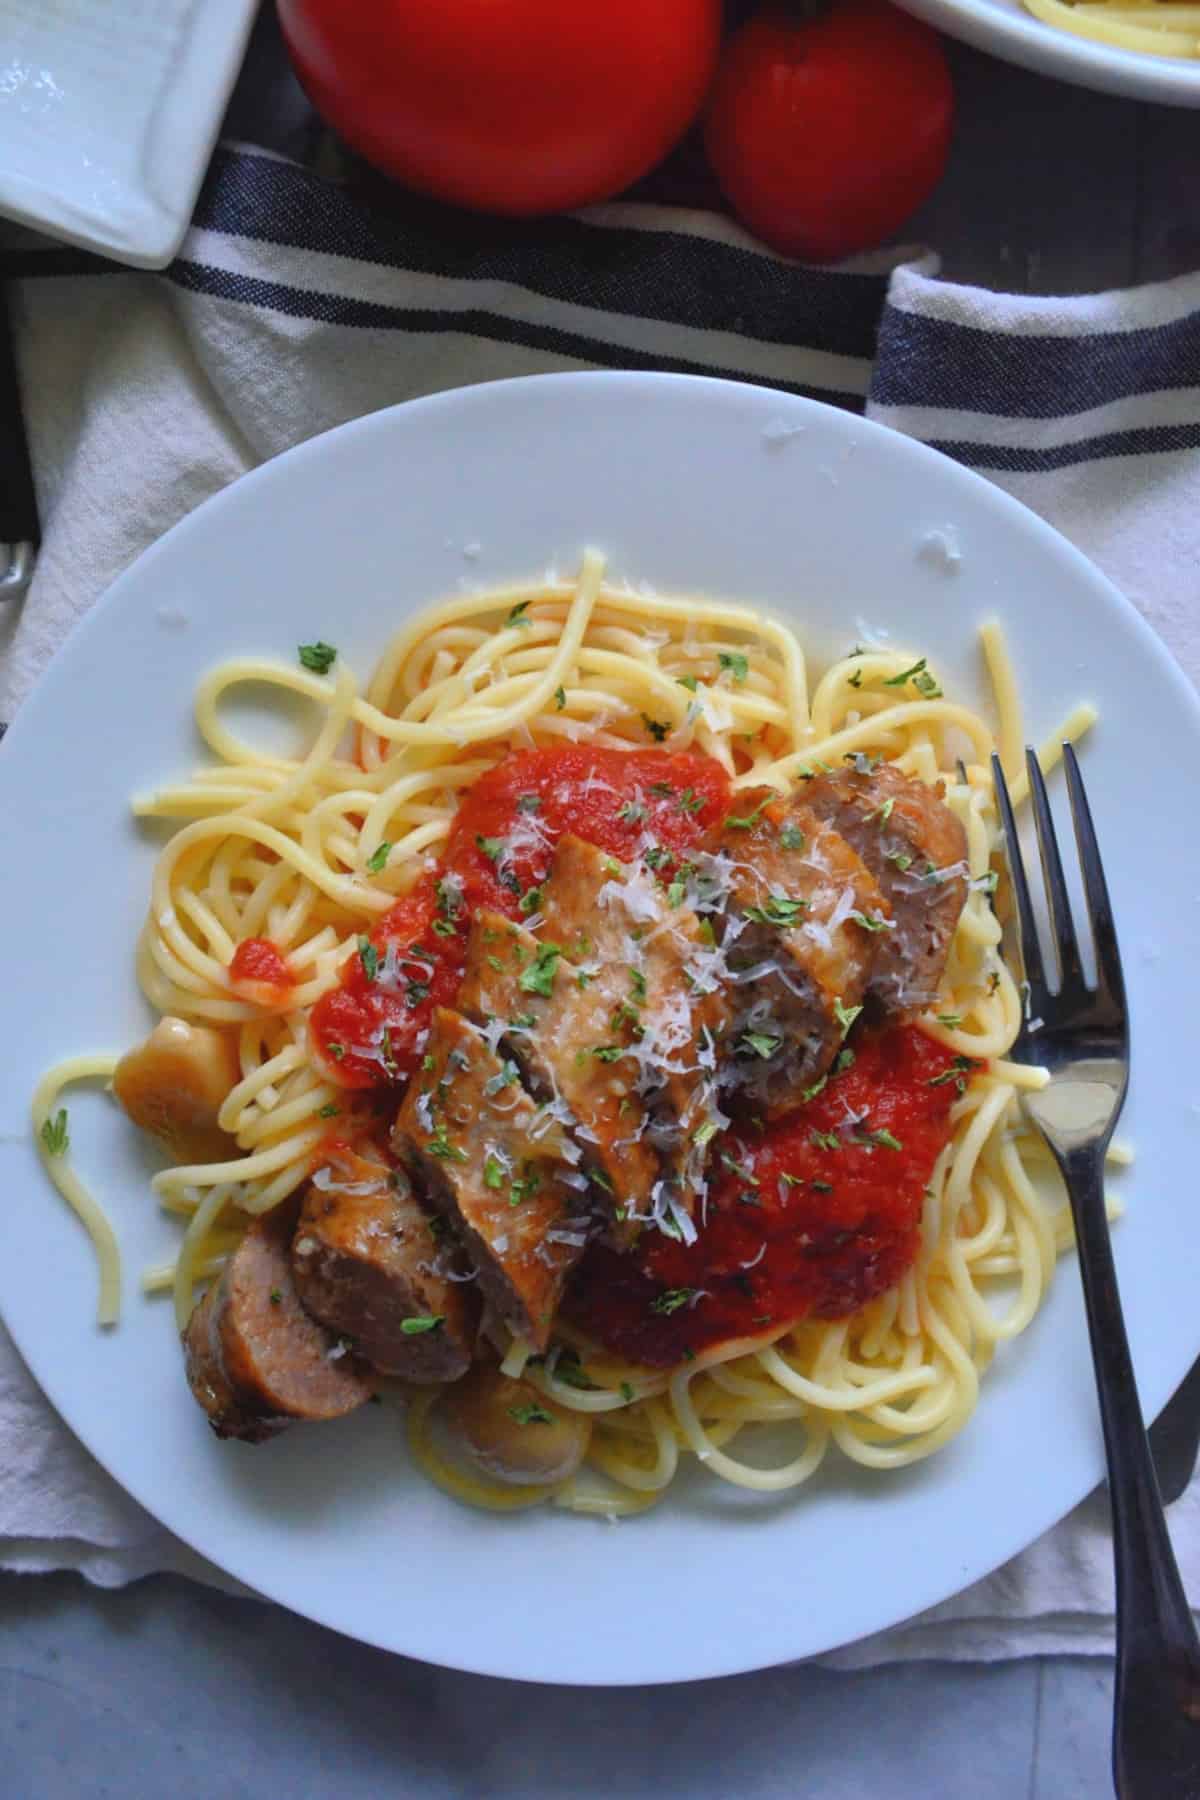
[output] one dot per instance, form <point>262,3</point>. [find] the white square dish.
<point>108,112</point>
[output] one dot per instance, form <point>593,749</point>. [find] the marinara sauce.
<point>649,805</point>
<point>812,1215</point>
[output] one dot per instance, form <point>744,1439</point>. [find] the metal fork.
<point>1083,1039</point>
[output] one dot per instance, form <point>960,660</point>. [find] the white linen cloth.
<point>292,308</point>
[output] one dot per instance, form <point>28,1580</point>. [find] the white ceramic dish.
<point>108,112</point>
<point>1004,28</point>
<point>687,484</point>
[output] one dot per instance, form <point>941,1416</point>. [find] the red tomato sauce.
<point>257,960</point>
<point>809,1216</point>
<point>371,1031</point>
<point>625,801</point>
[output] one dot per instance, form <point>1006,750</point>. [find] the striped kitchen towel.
<point>296,305</point>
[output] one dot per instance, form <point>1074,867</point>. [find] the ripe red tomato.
<point>826,133</point>
<point>513,106</point>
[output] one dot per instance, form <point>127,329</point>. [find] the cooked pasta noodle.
<point>1152,27</point>
<point>287,848</point>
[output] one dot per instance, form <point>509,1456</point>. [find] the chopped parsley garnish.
<point>427,1063</point>
<point>626,1391</point>
<point>329,1111</point>
<point>607,1053</point>
<point>676,892</point>
<point>528,1184</point>
<point>523,1022</point>
<point>950,1020</point>
<point>531,1414</point>
<point>443,928</point>
<point>855,680</point>
<point>778,910</point>
<point>440,1145</point>
<point>791,837</point>
<point>760,1042</point>
<point>415,992</point>
<point>689,682</point>
<point>630,812</point>
<point>378,858</point>
<point>528,803</point>
<point>826,1140</point>
<point>637,982</point>
<point>705,1133</point>
<point>953,1074</point>
<point>337,1051</point>
<point>739,1169</point>
<point>821,1187</point>
<point>843,1060</point>
<point>560,698</point>
<point>690,801</point>
<point>882,1138</point>
<point>571,1372</point>
<point>55,1135</point>
<point>657,729</point>
<point>810,1093</point>
<point>449,898</point>
<point>922,680</point>
<point>493,1172</point>
<point>987,884</point>
<point>506,1077</point>
<point>901,858</point>
<point>673,1299</point>
<point>656,856</point>
<point>517,615</point>
<point>750,819</point>
<point>538,978</point>
<point>493,962</point>
<point>530,900</point>
<point>845,1015</point>
<point>791,1180</point>
<point>871,921</point>
<point>882,813</point>
<point>368,956</point>
<point>318,657</point>
<point>662,790</point>
<point>492,848</point>
<point>735,662</point>
<point>423,1322</point>
<point>276,1296</point>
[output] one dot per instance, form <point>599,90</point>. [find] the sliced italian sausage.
<point>255,1360</point>
<point>374,1267</point>
<point>501,1171</point>
<point>917,851</point>
<point>803,927</point>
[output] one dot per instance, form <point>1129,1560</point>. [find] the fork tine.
<point>1031,951</point>
<point>1110,980</point>
<point>1062,925</point>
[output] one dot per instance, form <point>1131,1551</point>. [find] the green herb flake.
<point>607,1053</point>
<point>662,790</point>
<point>906,675</point>
<point>517,615</point>
<point>318,657</point>
<point>530,900</point>
<point>810,1093</point>
<point>760,1042</point>
<point>821,1187</point>
<point>825,1140</point>
<point>657,729</point>
<point>871,921</point>
<point>749,821</point>
<point>440,1146</point>
<point>560,698</point>
<point>329,1111</point>
<point>673,1299</point>
<point>689,682</point>
<point>427,1063</point>
<point>368,956</point>
<point>739,1169</point>
<point>492,848</point>
<point>735,662</point>
<point>690,801</point>
<point>630,812</point>
<point>626,1392</point>
<point>855,680</point>
<point>778,910</point>
<point>55,1135</point>
<point>276,1296</point>
<point>528,803</point>
<point>421,1323</point>
<point>337,1051</point>
<point>704,1134</point>
<point>493,1172</point>
<point>377,861</point>
<point>538,978</point>
<point>951,1021</point>
<point>845,1015</point>
<point>791,837</point>
<point>531,1414</point>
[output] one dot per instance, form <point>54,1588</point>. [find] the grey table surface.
<point>166,1688</point>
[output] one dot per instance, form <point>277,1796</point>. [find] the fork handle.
<point>1156,1717</point>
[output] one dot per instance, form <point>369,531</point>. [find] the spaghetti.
<point>309,853</point>
<point>1151,27</point>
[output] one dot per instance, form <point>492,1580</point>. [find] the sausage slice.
<point>803,929</point>
<point>500,1169</point>
<point>917,851</point>
<point>254,1358</point>
<point>370,1264</point>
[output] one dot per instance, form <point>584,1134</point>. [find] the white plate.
<point>689,485</point>
<point>1006,29</point>
<point>108,112</point>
